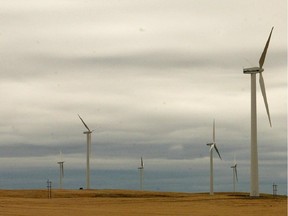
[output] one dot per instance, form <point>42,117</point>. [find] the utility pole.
<point>274,189</point>
<point>49,188</point>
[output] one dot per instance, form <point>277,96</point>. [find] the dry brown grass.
<point>120,202</point>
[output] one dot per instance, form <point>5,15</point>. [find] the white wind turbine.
<point>141,170</point>
<point>254,182</point>
<point>61,166</point>
<point>88,133</point>
<point>235,175</point>
<point>212,146</point>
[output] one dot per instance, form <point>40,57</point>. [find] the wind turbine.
<point>254,182</point>
<point>61,166</point>
<point>235,176</point>
<point>141,170</point>
<point>88,133</point>
<point>212,146</point>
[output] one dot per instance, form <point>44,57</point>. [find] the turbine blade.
<point>142,164</point>
<point>262,58</point>
<point>217,151</point>
<point>60,155</point>
<point>214,130</point>
<point>236,174</point>
<point>211,147</point>
<point>262,85</point>
<point>84,123</point>
<point>235,162</point>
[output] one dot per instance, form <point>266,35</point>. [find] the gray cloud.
<point>148,77</point>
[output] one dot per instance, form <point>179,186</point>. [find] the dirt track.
<point>117,202</point>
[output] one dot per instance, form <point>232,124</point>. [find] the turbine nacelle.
<point>213,146</point>
<point>210,144</point>
<point>253,70</point>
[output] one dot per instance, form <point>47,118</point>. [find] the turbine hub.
<point>253,70</point>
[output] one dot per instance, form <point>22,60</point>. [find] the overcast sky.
<point>149,76</point>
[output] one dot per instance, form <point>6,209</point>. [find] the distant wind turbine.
<point>235,175</point>
<point>212,146</point>
<point>254,181</point>
<point>141,171</point>
<point>88,133</point>
<point>61,166</point>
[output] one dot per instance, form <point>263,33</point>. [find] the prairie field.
<point>120,202</point>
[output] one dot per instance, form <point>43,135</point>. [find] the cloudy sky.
<point>149,77</point>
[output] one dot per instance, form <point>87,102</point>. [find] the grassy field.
<point>119,202</point>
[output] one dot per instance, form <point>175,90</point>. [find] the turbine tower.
<point>235,176</point>
<point>254,182</point>
<point>88,133</point>
<point>141,170</point>
<point>212,146</point>
<point>61,166</point>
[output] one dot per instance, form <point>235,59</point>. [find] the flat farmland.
<point>120,202</point>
